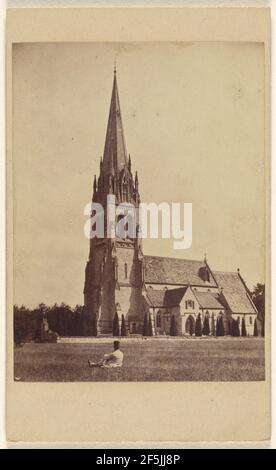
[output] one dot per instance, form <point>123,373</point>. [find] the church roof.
<point>208,300</point>
<point>175,271</point>
<point>115,153</point>
<point>165,297</point>
<point>234,292</point>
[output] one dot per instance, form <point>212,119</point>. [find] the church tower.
<point>114,271</point>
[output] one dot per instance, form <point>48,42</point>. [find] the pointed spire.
<point>95,184</point>
<point>129,162</point>
<point>115,154</point>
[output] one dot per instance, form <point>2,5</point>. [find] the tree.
<point>256,333</point>
<point>238,328</point>
<point>150,327</point>
<point>220,327</point>
<point>18,326</point>
<point>243,332</point>
<point>235,330</point>
<point>146,325</point>
<point>198,326</point>
<point>263,326</point>
<point>206,327</point>
<point>190,325</point>
<point>123,326</point>
<point>213,326</point>
<point>116,329</point>
<point>173,331</point>
<point>258,297</point>
<point>76,325</point>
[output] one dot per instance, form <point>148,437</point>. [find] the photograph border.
<point>154,418</point>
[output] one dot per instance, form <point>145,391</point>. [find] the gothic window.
<point>125,270</point>
<point>158,320</point>
<point>250,320</point>
<point>189,304</point>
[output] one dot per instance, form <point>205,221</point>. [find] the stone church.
<point>120,278</point>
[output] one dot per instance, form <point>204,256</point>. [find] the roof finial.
<point>115,66</point>
<point>205,257</point>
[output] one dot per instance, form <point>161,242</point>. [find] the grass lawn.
<point>224,359</point>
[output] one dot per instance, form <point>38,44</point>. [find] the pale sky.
<point>193,117</point>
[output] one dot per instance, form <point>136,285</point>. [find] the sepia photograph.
<point>139,211</point>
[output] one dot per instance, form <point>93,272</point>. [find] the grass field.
<point>225,359</point>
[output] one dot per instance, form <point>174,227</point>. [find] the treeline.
<point>258,298</point>
<point>219,327</point>
<point>62,319</point>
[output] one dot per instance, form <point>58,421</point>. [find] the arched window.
<point>125,270</point>
<point>250,320</point>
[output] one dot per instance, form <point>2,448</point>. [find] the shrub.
<point>146,325</point>
<point>116,329</point>
<point>220,327</point>
<point>206,327</point>
<point>173,331</point>
<point>263,325</point>
<point>256,333</point>
<point>123,326</point>
<point>235,330</point>
<point>198,326</point>
<point>213,326</point>
<point>191,327</point>
<point>243,333</point>
<point>150,327</point>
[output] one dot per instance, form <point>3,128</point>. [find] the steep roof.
<point>175,271</point>
<point>115,153</point>
<point>208,300</point>
<point>234,292</point>
<point>156,297</point>
<point>165,297</point>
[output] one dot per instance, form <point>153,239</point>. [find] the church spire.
<point>115,154</point>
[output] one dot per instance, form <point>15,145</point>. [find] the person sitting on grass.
<point>115,359</point>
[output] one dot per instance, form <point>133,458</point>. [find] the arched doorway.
<point>190,325</point>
